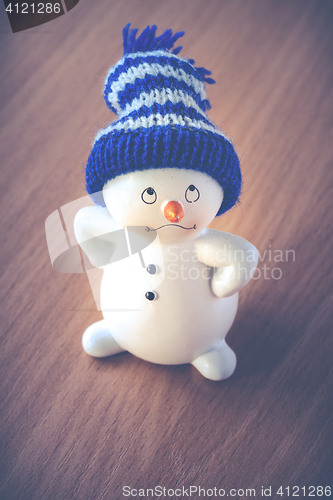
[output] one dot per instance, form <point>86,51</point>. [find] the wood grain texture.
<point>73,427</point>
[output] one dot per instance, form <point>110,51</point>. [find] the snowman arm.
<point>233,258</point>
<point>95,231</point>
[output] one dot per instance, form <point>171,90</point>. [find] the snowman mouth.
<point>174,225</point>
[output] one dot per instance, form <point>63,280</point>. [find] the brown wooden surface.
<point>73,427</point>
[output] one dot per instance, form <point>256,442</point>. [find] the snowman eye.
<point>192,194</point>
<point>149,196</point>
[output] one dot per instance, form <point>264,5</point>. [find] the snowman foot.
<point>217,364</point>
<point>98,341</point>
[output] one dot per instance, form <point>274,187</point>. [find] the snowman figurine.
<point>159,175</point>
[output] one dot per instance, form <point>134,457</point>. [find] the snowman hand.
<point>95,231</point>
<point>233,258</point>
<point>226,281</point>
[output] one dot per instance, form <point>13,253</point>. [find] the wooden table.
<point>74,427</point>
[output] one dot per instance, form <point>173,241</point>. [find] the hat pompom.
<point>147,41</point>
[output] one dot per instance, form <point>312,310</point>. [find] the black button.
<point>152,269</point>
<point>150,295</point>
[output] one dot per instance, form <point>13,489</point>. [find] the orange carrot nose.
<point>173,211</point>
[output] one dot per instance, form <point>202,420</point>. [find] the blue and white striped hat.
<point>161,104</point>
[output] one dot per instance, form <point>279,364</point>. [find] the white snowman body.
<point>184,320</point>
<point>175,299</point>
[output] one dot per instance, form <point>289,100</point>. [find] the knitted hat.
<point>161,105</point>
